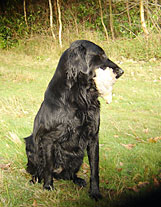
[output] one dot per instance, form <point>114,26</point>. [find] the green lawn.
<point>130,133</point>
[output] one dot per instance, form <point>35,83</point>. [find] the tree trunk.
<point>60,23</point>
<point>51,19</point>
<point>142,18</point>
<point>56,13</point>
<point>111,19</point>
<point>25,13</point>
<point>128,13</point>
<point>106,33</point>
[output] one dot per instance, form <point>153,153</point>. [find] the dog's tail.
<point>39,152</point>
<point>30,152</point>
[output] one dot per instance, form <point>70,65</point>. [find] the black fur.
<point>67,122</point>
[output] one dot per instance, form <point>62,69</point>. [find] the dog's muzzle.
<point>119,72</point>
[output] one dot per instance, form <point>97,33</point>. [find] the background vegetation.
<point>137,22</point>
<point>130,132</point>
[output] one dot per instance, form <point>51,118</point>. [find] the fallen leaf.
<point>85,166</point>
<point>34,203</point>
<point>134,188</point>
<point>104,181</point>
<point>5,166</point>
<point>119,169</point>
<point>156,182</point>
<point>128,146</point>
<point>157,138</point>
<point>151,140</point>
<point>142,184</point>
<point>121,163</point>
<point>116,136</point>
<point>154,139</point>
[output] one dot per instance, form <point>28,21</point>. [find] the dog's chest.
<point>81,127</point>
<point>88,124</point>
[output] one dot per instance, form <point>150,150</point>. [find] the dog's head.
<point>88,58</point>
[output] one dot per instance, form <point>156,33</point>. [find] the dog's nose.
<point>119,73</point>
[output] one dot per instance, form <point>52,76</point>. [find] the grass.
<point>130,131</point>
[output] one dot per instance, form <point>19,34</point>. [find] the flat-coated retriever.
<point>67,122</point>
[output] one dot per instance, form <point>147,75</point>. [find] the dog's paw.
<point>95,195</point>
<point>33,180</point>
<point>80,182</point>
<point>48,187</point>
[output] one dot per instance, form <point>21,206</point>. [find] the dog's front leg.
<point>48,168</point>
<point>93,156</point>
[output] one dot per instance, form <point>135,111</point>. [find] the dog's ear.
<point>77,60</point>
<point>81,54</point>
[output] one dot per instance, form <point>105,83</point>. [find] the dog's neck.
<point>80,92</point>
<point>83,93</point>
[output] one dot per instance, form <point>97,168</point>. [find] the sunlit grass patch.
<point>17,76</point>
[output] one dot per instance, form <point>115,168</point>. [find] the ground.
<point>130,133</point>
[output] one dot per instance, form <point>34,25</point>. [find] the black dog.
<point>67,122</point>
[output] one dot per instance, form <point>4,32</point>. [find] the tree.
<point>101,13</point>
<point>51,19</point>
<point>142,18</point>
<point>111,19</point>
<point>25,13</point>
<point>128,13</point>
<point>60,23</point>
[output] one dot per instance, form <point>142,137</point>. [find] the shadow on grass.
<point>146,197</point>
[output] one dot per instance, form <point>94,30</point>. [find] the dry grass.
<point>17,76</point>
<point>12,106</point>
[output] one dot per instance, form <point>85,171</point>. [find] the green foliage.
<point>138,48</point>
<point>6,36</point>
<point>78,17</point>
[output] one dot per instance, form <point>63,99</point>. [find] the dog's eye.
<point>99,56</point>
